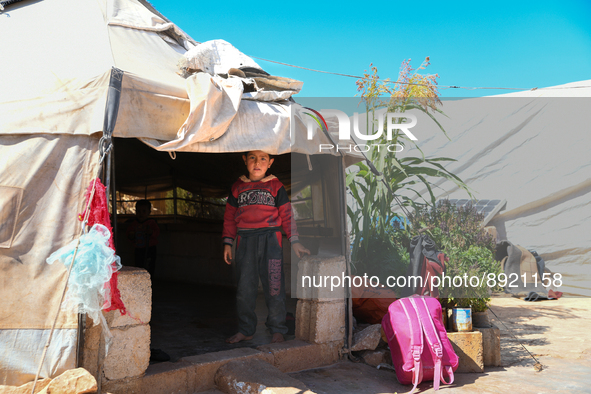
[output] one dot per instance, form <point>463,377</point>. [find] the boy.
<point>143,233</point>
<point>257,208</point>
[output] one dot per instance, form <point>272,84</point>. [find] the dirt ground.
<point>557,333</point>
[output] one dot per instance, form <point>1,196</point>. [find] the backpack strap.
<point>416,341</point>
<point>420,305</point>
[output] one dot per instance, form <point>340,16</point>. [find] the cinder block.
<point>206,365</point>
<point>327,321</point>
<point>314,278</point>
<point>91,348</point>
<point>320,322</point>
<point>302,320</point>
<point>491,346</point>
<point>129,353</point>
<point>293,356</point>
<point>136,293</point>
<point>468,347</point>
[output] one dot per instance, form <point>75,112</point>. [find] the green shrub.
<point>471,250</point>
<point>384,255</point>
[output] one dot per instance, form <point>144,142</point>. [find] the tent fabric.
<point>22,349</point>
<point>217,57</point>
<point>214,104</point>
<point>52,172</point>
<point>531,151</point>
<point>52,113</point>
<point>68,94</point>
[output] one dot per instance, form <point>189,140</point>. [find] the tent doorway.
<point>193,290</point>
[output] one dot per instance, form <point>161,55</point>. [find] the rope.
<point>537,365</point>
<point>105,151</point>
<point>419,84</point>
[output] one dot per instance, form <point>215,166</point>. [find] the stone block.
<point>25,388</point>
<point>296,355</point>
<point>74,381</point>
<point>91,348</point>
<point>188,375</point>
<point>468,347</point>
<point>254,377</point>
<point>375,357</point>
<point>302,320</point>
<point>129,353</point>
<point>368,338</point>
<point>491,346</point>
<point>136,293</point>
<point>315,281</point>
<point>206,365</point>
<point>320,322</point>
<point>327,321</point>
<point>163,377</point>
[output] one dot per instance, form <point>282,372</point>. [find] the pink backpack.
<point>418,341</point>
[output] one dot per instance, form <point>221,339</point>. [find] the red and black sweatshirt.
<point>260,204</point>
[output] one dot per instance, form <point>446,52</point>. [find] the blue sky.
<point>515,43</point>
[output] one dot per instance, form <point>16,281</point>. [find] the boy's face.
<point>142,212</point>
<point>257,163</point>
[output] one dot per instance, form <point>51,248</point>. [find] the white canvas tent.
<point>530,148</point>
<point>72,71</point>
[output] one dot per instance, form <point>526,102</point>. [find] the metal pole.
<point>113,195</point>
<point>345,252</point>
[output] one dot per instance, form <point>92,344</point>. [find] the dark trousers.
<point>259,255</point>
<point>146,258</point>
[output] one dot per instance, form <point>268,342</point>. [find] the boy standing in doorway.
<point>143,233</point>
<point>257,209</point>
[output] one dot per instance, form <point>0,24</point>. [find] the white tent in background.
<point>71,71</point>
<point>531,149</point>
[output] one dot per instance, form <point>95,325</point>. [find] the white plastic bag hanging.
<point>92,269</point>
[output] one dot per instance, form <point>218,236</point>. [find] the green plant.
<point>385,255</point>
<point>373,213</point>
<point>471,251</point>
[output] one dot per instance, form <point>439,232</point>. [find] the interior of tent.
<point>193,289</point>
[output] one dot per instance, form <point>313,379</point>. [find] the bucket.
<point>461,319</point>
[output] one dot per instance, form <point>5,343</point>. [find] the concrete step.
<point>256,377</point>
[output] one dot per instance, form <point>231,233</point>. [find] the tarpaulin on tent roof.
<point>65,92</point>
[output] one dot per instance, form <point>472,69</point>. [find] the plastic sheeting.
<point>217,57</point>
<point>21,352</point>
<point>94,265</point>
<point>533,152</point>
<point>214,104</point>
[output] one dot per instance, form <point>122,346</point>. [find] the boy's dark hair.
<point>268,154</point>
<point>143,203</point>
